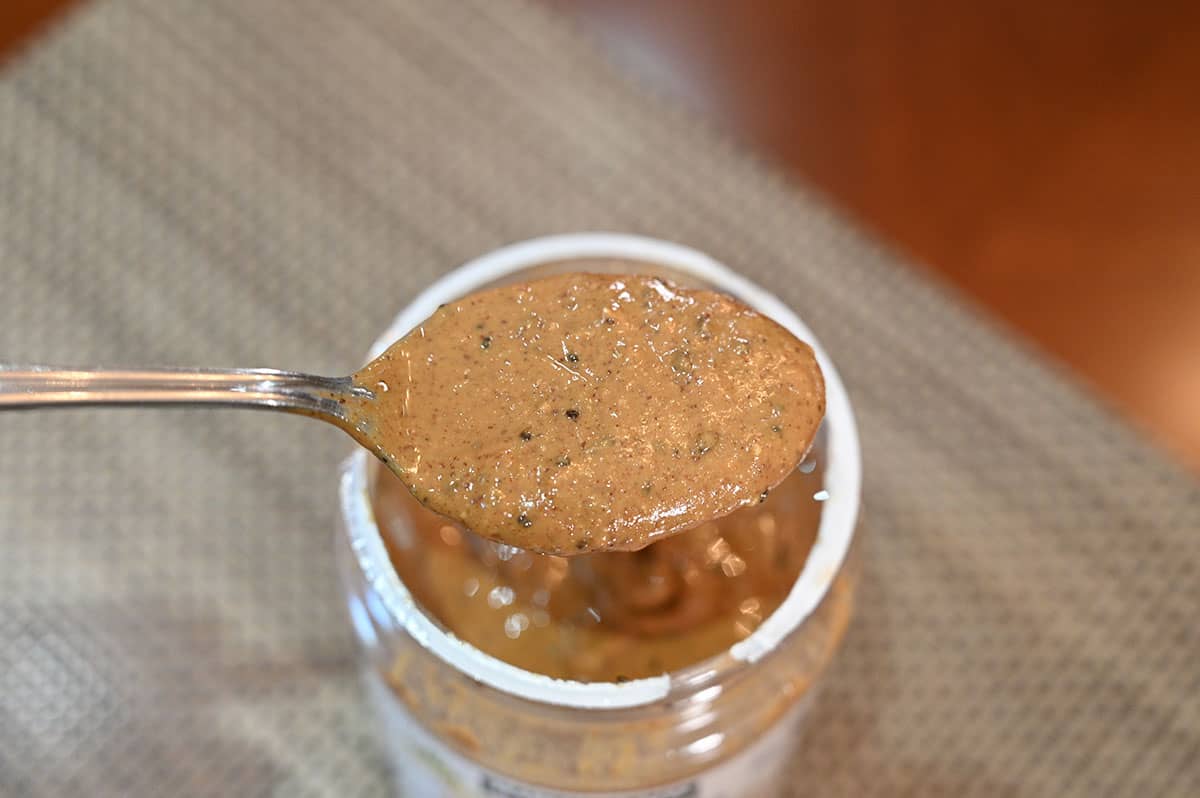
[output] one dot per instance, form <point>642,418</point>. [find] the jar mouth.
<point>839,516</point>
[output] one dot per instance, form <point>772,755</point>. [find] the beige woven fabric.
<point>265,183</point>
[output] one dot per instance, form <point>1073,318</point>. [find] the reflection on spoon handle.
<point>23,387</point>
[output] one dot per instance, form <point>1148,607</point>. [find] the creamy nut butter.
<point>584,412</point>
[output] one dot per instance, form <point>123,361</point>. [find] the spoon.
<point>571,414</point>
<point>26,387</point>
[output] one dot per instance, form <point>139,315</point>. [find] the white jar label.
<point>428,768</point>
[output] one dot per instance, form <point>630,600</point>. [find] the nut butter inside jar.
<point>610,616</point>
<point>682,666</point>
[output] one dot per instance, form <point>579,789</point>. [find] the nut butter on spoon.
<point>588,412</point>
<point>576,413</point>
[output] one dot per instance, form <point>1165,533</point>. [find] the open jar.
<point>631,705</point>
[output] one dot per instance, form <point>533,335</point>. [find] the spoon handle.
<point>50,386</point>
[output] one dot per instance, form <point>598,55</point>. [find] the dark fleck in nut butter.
<point>589,412</point>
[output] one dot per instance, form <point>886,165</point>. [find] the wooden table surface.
<point>1044,160</point>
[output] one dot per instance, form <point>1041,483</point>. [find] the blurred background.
<point>1042,159</point>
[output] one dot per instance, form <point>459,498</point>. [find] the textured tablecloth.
<point>266,183</point>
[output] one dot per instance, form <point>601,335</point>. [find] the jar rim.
<point>839,516</point>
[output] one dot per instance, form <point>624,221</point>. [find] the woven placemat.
<point>213,182</point>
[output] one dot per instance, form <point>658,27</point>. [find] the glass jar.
<point>459,722</point>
